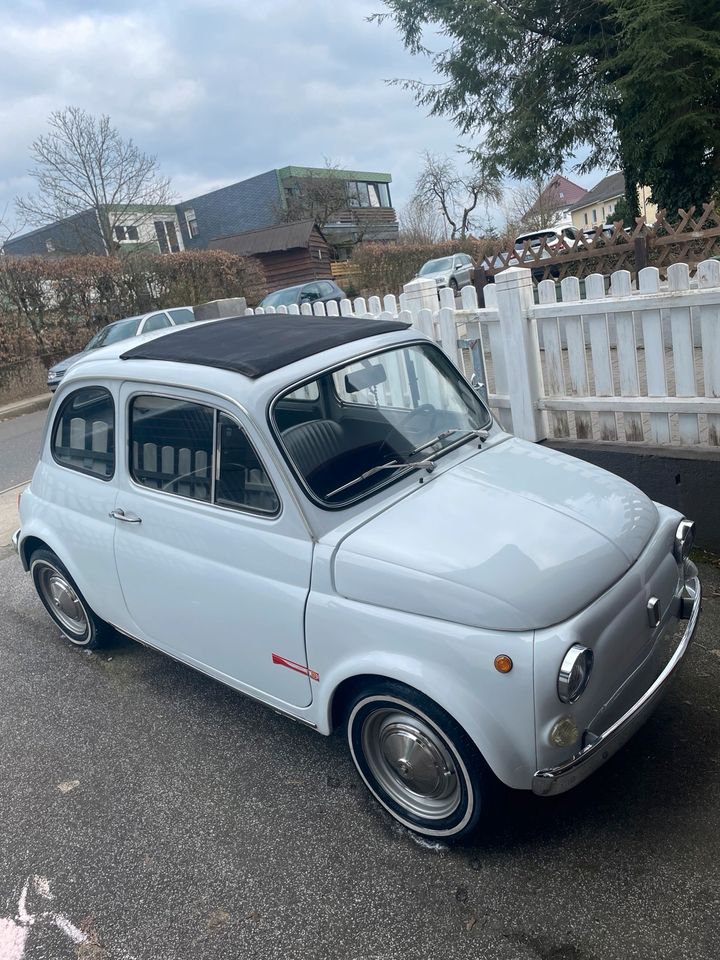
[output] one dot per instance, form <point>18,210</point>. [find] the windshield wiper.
<point>428,465</point>
<point>481,434</point>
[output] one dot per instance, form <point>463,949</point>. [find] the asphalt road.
<point>19,447</point>
<point>148,813</point>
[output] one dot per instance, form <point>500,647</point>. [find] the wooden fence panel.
<point>649,282</point>
<point>554,375</point>
<point>709,277</point>
<point>600,354</point>
<point>683,353</point>
<point>577,357</point>
<point>621,287</point>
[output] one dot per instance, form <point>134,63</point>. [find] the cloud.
<point>219,89</point>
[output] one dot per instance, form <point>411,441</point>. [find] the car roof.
<point>258,345</point>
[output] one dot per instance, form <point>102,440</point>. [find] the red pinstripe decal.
<point>298,667</point>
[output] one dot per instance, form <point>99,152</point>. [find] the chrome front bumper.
<point>16,540</point>
<point>555,780</point>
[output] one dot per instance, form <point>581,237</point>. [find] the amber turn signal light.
<point>503,663</point>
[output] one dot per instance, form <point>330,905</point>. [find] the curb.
<point>11,410</point>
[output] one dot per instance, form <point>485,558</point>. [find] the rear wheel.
<point>64,602</point>
<point>417,761</point>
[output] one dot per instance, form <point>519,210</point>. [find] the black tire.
<point>67,607</point>
<point>457,785</point>
<point>454,285</point>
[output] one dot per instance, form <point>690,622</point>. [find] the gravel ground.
<point>148,812</point>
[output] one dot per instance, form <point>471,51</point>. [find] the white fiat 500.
<point>321,513</point>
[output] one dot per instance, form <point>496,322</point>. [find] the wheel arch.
<point>496,747</point>
<point>28,546</point>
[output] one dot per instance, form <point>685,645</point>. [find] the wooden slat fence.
<point>638,363</point>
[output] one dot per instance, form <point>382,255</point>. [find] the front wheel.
<point>417,761</point>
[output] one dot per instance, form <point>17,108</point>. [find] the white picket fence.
<point>639,365</point>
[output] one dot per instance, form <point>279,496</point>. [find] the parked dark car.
<point>123,330</point>
<point>322,291</point>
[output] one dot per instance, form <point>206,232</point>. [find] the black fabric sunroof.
<point>256,345</point>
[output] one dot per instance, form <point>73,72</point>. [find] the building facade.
<point>153,228</point>
<point>598,204</point>
<point>350,206</point>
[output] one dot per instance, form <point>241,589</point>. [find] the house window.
<point>167,236</point>
<point>594,216</point>
<point>361,194</point>
<point>126,233</point>
<point>586,219</point>
<point>50,246</point>
<point>191,221</point>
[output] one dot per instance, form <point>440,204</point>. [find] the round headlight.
<point>684,539</point>
<point>574,673</point>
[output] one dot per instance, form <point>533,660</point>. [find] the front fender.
<point>451,664</point>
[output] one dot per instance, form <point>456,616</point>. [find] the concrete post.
<point>219,309</point>
<point>514,291</point>
<point>420,295</point>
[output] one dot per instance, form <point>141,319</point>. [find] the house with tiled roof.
<point>598,204</point>
<point>555,201</point>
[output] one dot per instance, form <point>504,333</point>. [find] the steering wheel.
<point>420,424</point>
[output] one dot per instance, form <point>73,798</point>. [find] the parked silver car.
<point>455,271</point>
<point>122,330</point>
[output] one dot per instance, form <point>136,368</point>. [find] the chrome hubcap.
<point>411,763</point>
<point>63,600</point>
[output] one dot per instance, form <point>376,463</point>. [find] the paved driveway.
<point>148,812</point>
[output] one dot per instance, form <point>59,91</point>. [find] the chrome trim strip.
<point>16,541</point>
<point>555,780</point>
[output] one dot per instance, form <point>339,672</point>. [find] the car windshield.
<point>114,332</point>
<point>281,298</point>
<point>374,420</point>
<point>435,266</point>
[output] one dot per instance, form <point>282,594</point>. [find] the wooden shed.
<point>290,252</point>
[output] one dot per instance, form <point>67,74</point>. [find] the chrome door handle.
<point>125,517</point>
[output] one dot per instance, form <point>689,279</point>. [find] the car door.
<point>214,563</point>
<point>310,293</point>
<point>464,270</point>
<point>328,291</point>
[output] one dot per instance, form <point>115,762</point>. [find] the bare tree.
<point>533,205</point>
<point>458,195</point>
<point>319,197</point>
<point>420,222</point>
<point>88,175</point>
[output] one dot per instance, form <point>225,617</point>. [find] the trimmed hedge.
<point>50,307</point>
<point>384,268</point>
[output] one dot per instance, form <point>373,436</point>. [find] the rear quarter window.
<point>83,434</point>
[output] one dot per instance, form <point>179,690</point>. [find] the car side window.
<point>171,444</point>
<point>241,480</point>
<point>182,315</point>
<point>195,451</point>
<point>157,321</point>
<point>310,293</point>
<point>84,431</point>
<point>326,288</point>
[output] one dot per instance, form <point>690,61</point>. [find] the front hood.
<point>62,367</point>
<point>517,537</point>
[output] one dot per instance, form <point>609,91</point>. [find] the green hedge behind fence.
<point>50,307</point>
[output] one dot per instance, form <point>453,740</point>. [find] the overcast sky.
<point>219,89</point>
